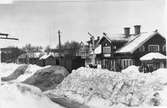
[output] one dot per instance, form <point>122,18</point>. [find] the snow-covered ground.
<point>17,95</point>
<point>97,88</point>
<point>101,88</point>
<point>31,69</point>
<point>23,96</point>
<point>7,69</point>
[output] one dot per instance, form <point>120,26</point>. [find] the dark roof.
<point>132,42</point>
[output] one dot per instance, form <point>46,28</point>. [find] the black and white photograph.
<point>83,54</point>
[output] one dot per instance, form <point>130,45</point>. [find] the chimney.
<point>137,29</point>
<point>127,31</point>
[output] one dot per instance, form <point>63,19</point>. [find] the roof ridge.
<point>150,35</point>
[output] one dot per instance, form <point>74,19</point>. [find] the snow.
<point>97,50</point>
<point>45,56</point>
<point>28,73</point>
<point>99,88</point>
<point>161,74</point>
<point>137,42</point>
<point>151,56</point>
<point>7,69</point>
<point>117,37</point>
<point>18,95</point>
<point>131,69</point>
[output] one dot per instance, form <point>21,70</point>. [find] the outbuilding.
<point>154,60</point>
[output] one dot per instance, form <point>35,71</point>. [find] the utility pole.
<point>59,36</point>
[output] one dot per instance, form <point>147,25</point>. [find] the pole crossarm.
<point>5,36</point>
<point>9,38</point>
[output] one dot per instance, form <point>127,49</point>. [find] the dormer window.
<point>153,48</point>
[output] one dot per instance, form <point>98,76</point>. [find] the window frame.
<point>107,52</point>
<point>153,45</point>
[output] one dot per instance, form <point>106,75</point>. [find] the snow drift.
<point>17,95</point>
<point>98,87</point>
<point>43,77</point>
<point>7,69</point>
<point>31,70</point>
<point>47,78</point>
<point>19,71</point>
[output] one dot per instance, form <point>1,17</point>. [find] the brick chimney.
<point>137,29</point>
<point>127,31</point>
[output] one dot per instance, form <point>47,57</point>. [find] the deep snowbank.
<point>7,69</point>
<point>18,72</point>
<point>14,75</point>
<point>47,78</point>
<point>43,77</point>
<point>30,71</point>
<point>103,88</point>
<point>23,96</point>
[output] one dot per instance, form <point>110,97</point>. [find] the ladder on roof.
<point>5,36</point>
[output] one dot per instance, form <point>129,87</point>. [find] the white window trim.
<point>153,45</point>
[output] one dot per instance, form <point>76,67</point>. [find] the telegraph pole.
<point>60,50</point>
<point>59,36</point>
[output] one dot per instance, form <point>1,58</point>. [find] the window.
<point>153,48</point>
<point>107,50</point>
<point>142,49</point>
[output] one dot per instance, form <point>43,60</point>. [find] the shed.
<point>48,59</point>
<point>154,59</point>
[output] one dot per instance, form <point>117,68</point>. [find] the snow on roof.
<point>135,43</point>
<point>118,37</point>
<point>31,55</point>
<point>151,56</point>
<point>45,56</point>
<point>97,50</point>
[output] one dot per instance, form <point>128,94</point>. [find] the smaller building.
<point>29,58</point>
<point>10,54</point>
<point>83,52</point>
<point>48,59</point>
<point>153,61</point>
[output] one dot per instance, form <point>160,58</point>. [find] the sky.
<point>37,22</point>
